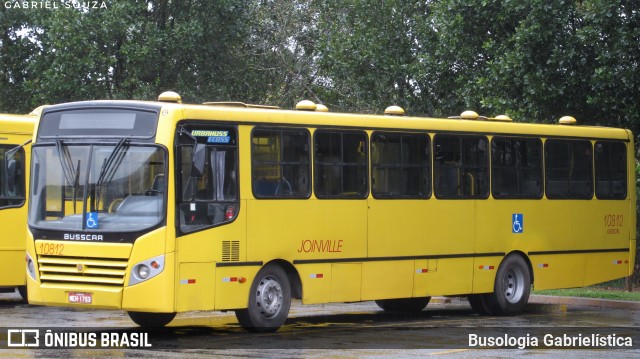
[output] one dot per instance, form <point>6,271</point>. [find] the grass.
<point>610,290</point>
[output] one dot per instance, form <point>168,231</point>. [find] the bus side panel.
<point>199,287</point>
<point>399,227</point>
<point>424,270</point>
<point>452,276</point>
<point>610,226</point>
<point>306,229</point>
<point>195,290</point>
<point>316,282</point>
<point>232,286</point>
<point>12,246</point>
<point>208,245</point>
<point>387,280</point>
<point>484,273</point>
<point>422,273</point>
<point>346,282</point>
<point>431,228</point>
<point>561,230</point>
<point>553,271</point>
<point>14,220</point>
<point>506,225</point>
<point>12,268</point>
<point>602,267</point>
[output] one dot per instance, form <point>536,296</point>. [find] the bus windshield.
<point>102,187</point>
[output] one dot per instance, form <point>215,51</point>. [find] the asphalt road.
<point>357,330</point>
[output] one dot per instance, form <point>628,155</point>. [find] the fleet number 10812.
<point>51,249</point>
<point>613,222</point>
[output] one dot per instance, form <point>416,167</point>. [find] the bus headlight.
<point>31,267</point>
<point>146,270</point>
<point>143,271</point>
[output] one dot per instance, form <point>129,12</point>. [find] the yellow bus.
<point>15,133</point>
<point>158,208</point>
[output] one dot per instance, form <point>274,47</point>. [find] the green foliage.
<point>535,60</point>
<point>366,52</point>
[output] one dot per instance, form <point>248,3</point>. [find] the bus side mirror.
<point>11,175</point>
<point>199,158</point>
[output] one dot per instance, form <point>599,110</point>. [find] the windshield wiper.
<point>110,167</point>
<point>66,162</point>
<point>71,176</point>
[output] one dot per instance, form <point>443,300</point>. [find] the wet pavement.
<point>356,330</point>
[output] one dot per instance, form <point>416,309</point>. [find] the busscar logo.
<point>83,237</point>
<point>23,338</point>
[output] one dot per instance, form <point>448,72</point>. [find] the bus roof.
<point>256,114</point>
<point>316,119</point>
<point>17,124</point>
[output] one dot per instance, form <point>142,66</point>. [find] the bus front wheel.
<point>404,305</point>
<point>511,288</point>
<point>22,290</point>
<point>151,320</point>
<point>269,301</point>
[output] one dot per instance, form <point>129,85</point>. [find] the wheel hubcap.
<point>269,297</point>
<point>513,285</point>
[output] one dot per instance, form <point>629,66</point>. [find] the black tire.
<point>404,305</point>
<point>269,301</point>
<point>479,304</point>
<point>512,287</point>
<point>22,290</point>
<point>151,320</point>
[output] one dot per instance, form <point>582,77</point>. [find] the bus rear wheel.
<point>479,304</point>
<point>512,287</point>
<point>404,305</point>
<point>269,301</point>
<point>151,320</point>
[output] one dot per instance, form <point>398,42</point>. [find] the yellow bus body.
<point>15,130</point>
<point>347,250</point>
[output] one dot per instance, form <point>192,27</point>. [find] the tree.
<point>366,52</point>
<point>16,53</point>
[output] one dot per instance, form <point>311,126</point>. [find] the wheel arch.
<point>292,275</point>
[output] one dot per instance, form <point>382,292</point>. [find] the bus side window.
<point>516,167</point>
<point>568,169</point>
<point>611,170</point>
<point>12,177</point>
<point>341,164</point>
<point>280,163</point>
<point>461,166</point>
<point>209,195</point>
<point>401,165</point>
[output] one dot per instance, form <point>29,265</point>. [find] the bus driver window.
<point>209,198</point>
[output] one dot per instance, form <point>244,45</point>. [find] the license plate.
<point>80,298</point>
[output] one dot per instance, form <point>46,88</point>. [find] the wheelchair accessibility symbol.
<point>92,220</point>
<point>517,223</point>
